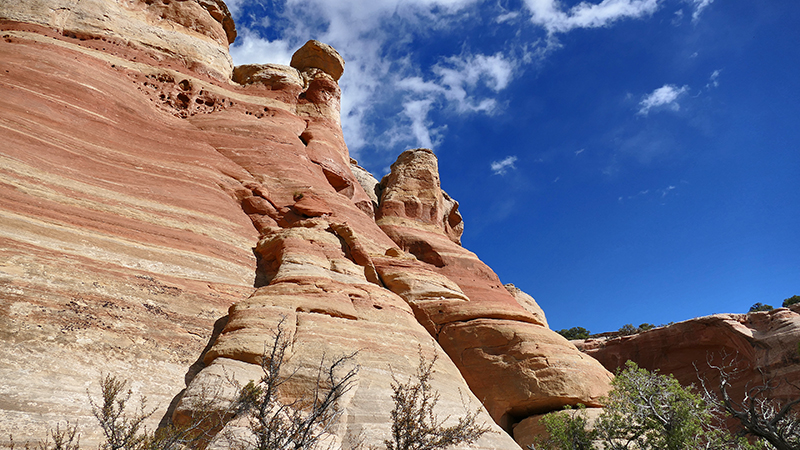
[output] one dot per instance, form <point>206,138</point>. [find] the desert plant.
<point>627,330</point>
<point>791,301</point>
<point>647,410</point>
<point>415,424</point>
<point>121,430</point>
<point>566,430</point>
<point>760,416</point>
<point>575,333</point>
<point>760,307</point>
<point>62,439</point>
<point>304,422</point>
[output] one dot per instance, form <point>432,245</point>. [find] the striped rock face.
<point>760,346</point>
<point>158,219</point>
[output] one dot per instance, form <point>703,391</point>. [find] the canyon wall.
<point>162,211</point>
<point>761,346</point>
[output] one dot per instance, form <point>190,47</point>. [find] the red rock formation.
<point>506,353</point>
<point>765,341</point>
<point>136,181</point>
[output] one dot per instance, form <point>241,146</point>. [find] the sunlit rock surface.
<point>764,346</point>
<point>160,212</point>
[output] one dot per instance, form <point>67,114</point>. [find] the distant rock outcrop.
<point>765,345</point>
<point>161,211</point>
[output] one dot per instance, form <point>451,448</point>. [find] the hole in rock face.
<point>199,101</point>
<point>424,252</point>
<point>183,100</point>
<point>185,85</point>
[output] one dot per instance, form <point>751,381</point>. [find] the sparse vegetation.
<point>121,430</point>
<point>628,329</point>
<point>568,430</point>
<point>273,422</point>
<point>759,415</point>
<point>791,301</point>
<point>575,333</point>
<point>302,423</point>
<point>415,425</point>
<point>648,411</point>
<point>760,307</point>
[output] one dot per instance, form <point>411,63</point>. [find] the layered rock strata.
<point>762,345</point>
<point>145,193</point>
<point>487,333</point>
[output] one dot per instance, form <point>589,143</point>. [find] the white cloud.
<point>677,18</point>
<point>502,166</point>
<point>713,80</point>
<point>665,96</point>
<point>250,48</point>
<point>507,16</point>
<point>699,6</point>
<point>459,79</point>
<point>384,80</point>
<point>578,152</point>
<point>548,13</point>
<point>417,111</point>
<point>461,84</point>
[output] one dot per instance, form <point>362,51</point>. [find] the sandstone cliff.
<point>764,345</point>
<point>161,211</point>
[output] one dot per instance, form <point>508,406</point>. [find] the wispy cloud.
<point>699,6</point>
<point>713,80</point>
<point>664,192</point>
<point>417,112</point>
<point>502,166</point>
<point>386,77</point>
<point>666,96</point>
<point>578,152</point>
<point>548,13</point>
<point>650,194</point>
<point>464,84</point>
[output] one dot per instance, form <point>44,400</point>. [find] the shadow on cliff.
<point>194,369</point>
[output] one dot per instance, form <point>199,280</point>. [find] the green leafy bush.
<point>627,330</point>
<point>645,411</point>
<point>575,333</point>
<point>791,301</point>
<point>760,307</point>
<point>566,430</point>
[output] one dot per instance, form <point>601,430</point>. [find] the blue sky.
<point>623,161</point>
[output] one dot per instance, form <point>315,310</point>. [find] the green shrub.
<point>566,430</point>
<point>575,333</point>
<point>791,301</point>
<point>627,330</point>
<point>760,307</point>
<point>645,327</point>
